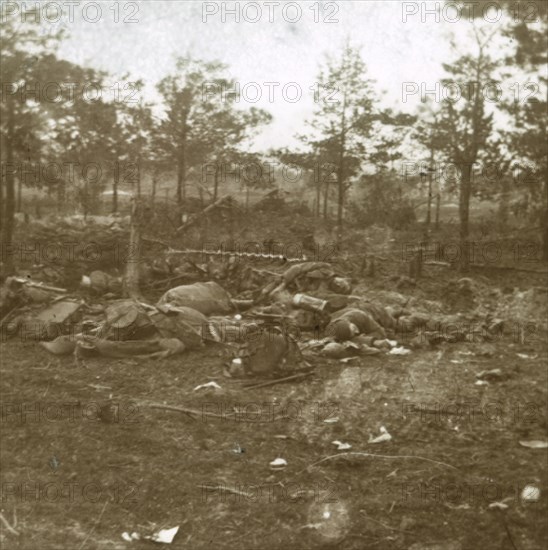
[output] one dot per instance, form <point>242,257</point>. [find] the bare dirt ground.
<point>74,480</point>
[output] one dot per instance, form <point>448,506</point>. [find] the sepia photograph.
<point>273,275</point>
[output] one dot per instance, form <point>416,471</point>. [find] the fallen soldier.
<point>90,345</point>
<point>350,322</point>
<point>153,349</point>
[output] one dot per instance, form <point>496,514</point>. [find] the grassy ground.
<point>77,482</point>
<point>147,466</point>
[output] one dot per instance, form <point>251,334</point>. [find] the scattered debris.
<point>492,375</point>
<point>342,446</point>
<point>238,449</point>
<point>530,493</point>
<point>293,377</point>
<point>131,537</point>
<point>165,536</point>
<point>498,505</point>
<point>534,444</point>
<point>464,506</point>
<point>209,385</point>
<point>385,436</point>
<point>330,521</point>
<point>235,369</point>
<point>399,351</point>
<point>278,464</point>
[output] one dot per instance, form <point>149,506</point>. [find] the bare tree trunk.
<point>131,279</point>
<point>138,182</point>
<point>438,198</point>
<point>115,187</point>
<point>61,190</point>
<point>9,207</point>
<point>19,192</point>
<point>318,200</point>
<point>429,204</point>
<point>37,211</point>
<point>231,219</point>
<point>181,172</point>
<point>204,230</point>
<point>464,214</point>
<point>504,203</point>
<point>545,223</point>
<point>430,177</point>
<point>340,174</point>
<point>545,239</point>
<point>154,183</point>
<point>179,183</point>
<point>215,184</point>
<point>2,200</point>
<point>325,198</point>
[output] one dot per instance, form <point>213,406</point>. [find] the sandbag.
<point>207,298</point>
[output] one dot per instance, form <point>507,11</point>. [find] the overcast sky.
<point>279,51</point>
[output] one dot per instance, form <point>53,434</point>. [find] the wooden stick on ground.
<point>5,318</point>
<point>8,526</point>
<point>190,412</point>
<point>229,490</point>
<point>278,380</point>
<point>40,285</point>
<point>416,457</point>
<point>93,528</point>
